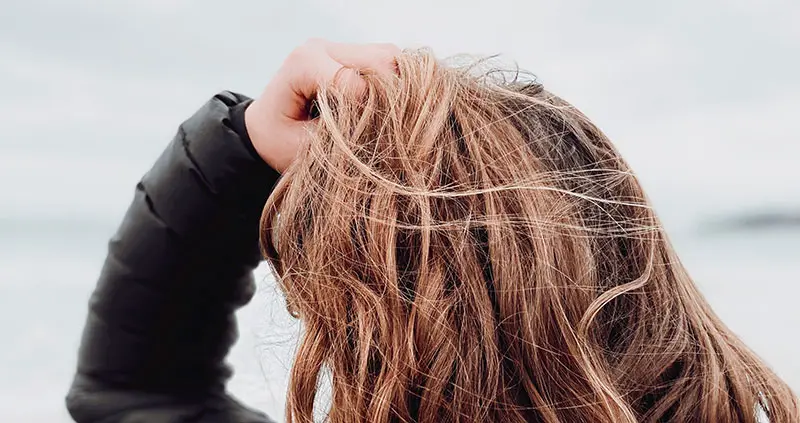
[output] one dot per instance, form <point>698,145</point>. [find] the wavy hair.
<point>466,247</point>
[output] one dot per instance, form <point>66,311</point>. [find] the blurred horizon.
<point>701,98</point>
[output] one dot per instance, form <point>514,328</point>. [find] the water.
<point>43,302</point>
<point>48,274</point>
<point>701,98</point>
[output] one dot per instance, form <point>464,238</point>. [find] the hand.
<point>275,121</point>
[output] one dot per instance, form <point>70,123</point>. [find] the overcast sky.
<point>701,96</point>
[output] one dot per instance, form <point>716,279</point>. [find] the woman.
<point>459,247</point>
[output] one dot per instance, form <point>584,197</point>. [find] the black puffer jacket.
<point>161,319</point>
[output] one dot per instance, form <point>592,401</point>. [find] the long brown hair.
<point>467,247</point>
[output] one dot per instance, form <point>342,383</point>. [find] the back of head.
<point>465,247</point>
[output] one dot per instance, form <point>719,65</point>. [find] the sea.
<point>700,97</point>
<point>49,265</point>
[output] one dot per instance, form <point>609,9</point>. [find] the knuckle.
<point>302,53</point>
<point>388,60</point>
<point>296,56</point>
<point>391,48</point>
<point>315,42</point>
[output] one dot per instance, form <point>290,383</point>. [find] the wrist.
<point>252,125</point>
<point>237,124</point>
<point>269,137</point>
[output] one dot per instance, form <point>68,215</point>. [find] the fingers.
<point>323,63</point>
<point>378,57</point>
<point>277,120</point>
<point>304,70</point>
<point>316,67</point>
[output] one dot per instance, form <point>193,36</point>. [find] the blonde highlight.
<point>470,247</point>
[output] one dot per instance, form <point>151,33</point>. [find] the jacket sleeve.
<point>161,318</point>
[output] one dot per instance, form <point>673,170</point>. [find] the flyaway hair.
<point>468,247</point>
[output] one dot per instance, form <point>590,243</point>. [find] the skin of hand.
<point>276,121</point>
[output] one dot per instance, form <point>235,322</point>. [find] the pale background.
<point>702,97</point>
